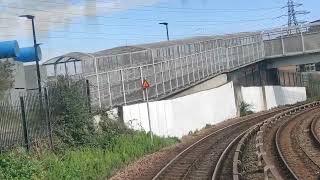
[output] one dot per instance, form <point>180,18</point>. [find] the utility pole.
<point>166,24</point>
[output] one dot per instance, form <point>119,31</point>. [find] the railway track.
<point>292,153</point>
<point>315,129</point>
<point>203,159</point>
<point>299,163</point>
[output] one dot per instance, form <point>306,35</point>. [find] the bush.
<point>73,123</point>
<point>245,109</point>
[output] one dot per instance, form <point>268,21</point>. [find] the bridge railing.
<point>123,86</point>
<point>292,40</point>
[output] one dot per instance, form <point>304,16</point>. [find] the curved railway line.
<point>299,159</point>
<point>282,144</point>
<point>200,159</point>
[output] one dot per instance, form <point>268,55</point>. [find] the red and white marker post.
<point>145,87</point>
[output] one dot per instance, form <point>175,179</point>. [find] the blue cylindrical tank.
<point>9,49</point>
<point>28,54</point>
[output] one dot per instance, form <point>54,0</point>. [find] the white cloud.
<point>52,14</point>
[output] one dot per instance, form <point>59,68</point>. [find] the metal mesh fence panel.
<point>10,125</point>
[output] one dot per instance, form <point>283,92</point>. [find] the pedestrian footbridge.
<point>171,67</point>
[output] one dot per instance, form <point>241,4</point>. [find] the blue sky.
<point>92,25</point>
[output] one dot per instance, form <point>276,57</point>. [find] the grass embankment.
<point>83,148</point>
<point>80,163</point>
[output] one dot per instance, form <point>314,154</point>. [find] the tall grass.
<point>82,163</point>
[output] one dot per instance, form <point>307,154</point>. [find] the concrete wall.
<point>207,85</point>
<point>274,96</point>
<point>254,97</point>
<point>277,95</point>
<point>177,117</point>
<point>31,78</point>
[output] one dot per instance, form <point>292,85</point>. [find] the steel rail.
<point>314,131</point>
<point>205,138</point>
<point>225,152</point>
<point>278,149</point>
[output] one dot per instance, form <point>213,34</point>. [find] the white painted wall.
<point>277,95</point>
<point>254,97</point>
<point>177,117</point>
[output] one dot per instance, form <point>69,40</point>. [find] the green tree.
<point>6,77</point>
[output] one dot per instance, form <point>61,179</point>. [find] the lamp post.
<point>166,24</point>
<point>31,17</point>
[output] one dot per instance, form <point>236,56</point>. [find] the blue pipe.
<point>9,49</point>
<point>28,54</point>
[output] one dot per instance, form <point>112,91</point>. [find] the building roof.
<point>316,21</point>
<point>78,56</point>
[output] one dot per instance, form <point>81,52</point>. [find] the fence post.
<point>48,118</point>
<point>24,124</point>
<point>123,87</point>
<point>88,95</point>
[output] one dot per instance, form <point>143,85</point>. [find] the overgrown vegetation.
<point>83,149</point>
<point>245,109</point>
<point>6,77</point>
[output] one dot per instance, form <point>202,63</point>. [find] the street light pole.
<point>167,28</point>
<point>35,50</point>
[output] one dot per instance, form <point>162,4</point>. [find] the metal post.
<point>238,55</point>
<point>123,88</point>
<point>202,64</point>
<point>170,78</point>
<point>141,78</point>
<point>109,88</point>
<point>228,60</point>
<point>168,38</point>
<point>176,73</point>
<point>278,78</point>
<point>252,74</point>
<point>206,57</point>
<point>259,71</point>
<point>289,78</point>
<point>282,43</point>
<point>162,75</point>
<point>24,124</point>
<point>88,94</point>
<point>36,52</point>
<point>98,82</point>
<point>211,60</point>
<point>231,58</point>
<point>48,117</point>
<point>245,75</point>
<point>193,73</point>
<point>188,69</point>
<point>284,79</point>
<point>302,41</point>
<point>154,72</point>
<point>148,109</point>
<point>182,74</point>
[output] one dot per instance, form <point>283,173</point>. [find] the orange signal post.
<point>145,87</point>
